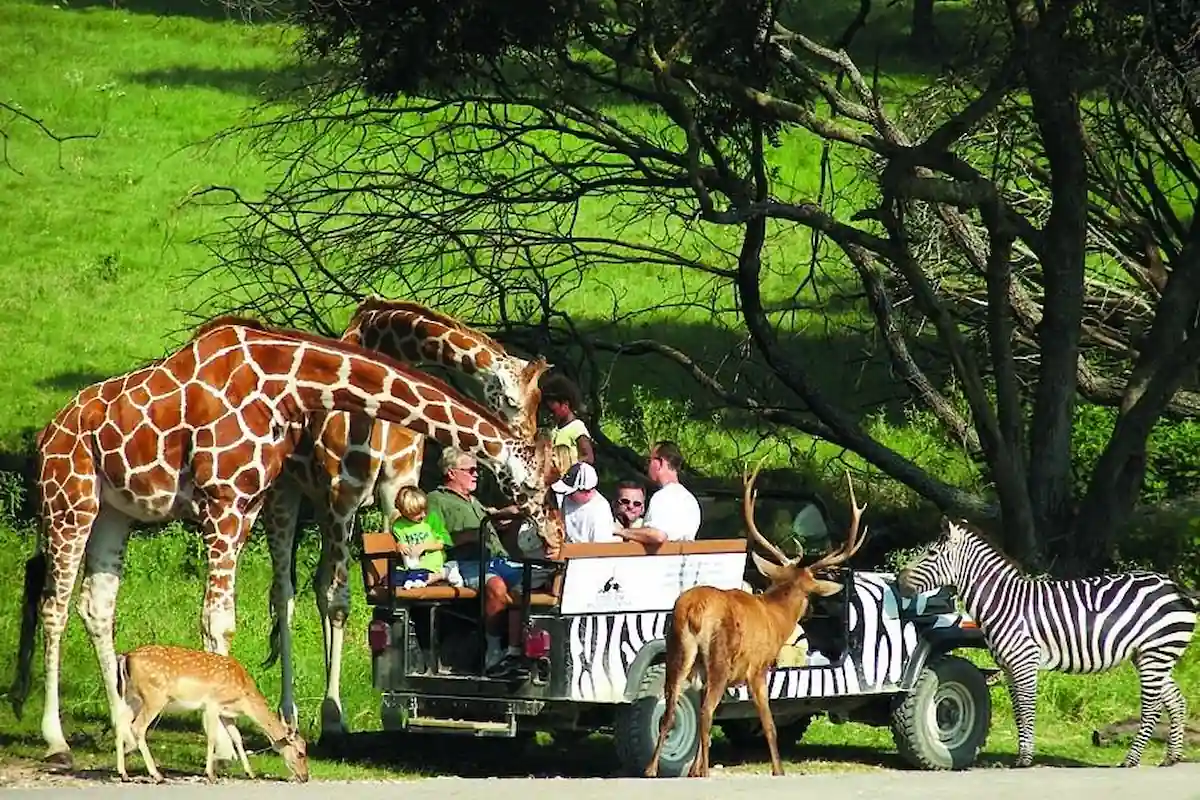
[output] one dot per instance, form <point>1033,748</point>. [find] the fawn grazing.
<point>157,678</point>
<point>732,636</point>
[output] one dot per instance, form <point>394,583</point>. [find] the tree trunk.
<point>923,33</point>
<point>1055,106</point>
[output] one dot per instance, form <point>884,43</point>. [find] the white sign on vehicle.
<point>644,583</point>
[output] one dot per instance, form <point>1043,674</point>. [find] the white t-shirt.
<point>589,522</point>
<point>674,511</point>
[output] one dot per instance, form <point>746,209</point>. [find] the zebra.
<point>1075,626</point>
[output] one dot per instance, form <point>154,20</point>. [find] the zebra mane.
<point>987,541</point>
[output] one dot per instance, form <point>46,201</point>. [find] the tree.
<point>1036,212</point>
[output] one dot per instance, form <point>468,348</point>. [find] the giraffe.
<point>344,460</point>
<point>201,434</point>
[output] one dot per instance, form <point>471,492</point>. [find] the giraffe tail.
<point>35,583</point>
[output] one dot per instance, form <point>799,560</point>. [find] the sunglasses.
<point>468,470</point>
<point>624,501</point>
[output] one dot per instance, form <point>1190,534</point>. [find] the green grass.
<point>98,274</point>
<point>100,244</point>
<point>97,238</point>
<point>160,602</point>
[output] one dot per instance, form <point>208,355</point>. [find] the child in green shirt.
<point>423,540</point>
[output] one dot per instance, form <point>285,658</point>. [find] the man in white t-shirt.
<point>586,514</point>
<point>673,513</point>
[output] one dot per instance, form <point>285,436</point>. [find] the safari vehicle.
<point>594,656</point>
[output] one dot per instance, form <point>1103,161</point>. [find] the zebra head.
<point>939,563</point>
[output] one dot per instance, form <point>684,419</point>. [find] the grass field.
<point>99,243</point>
<point>160,602</point>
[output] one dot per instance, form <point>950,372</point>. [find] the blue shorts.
<point>508,571</point>
<point>400,574</point>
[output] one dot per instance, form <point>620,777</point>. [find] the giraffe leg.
<point>1154,671</point>
<point>104,557</point>
<point>64,545</point>
<point>336,595</point>
<point>1176,705</point>
<point>225,531</point>
<point>1021,669</point>
<point>281,513</point>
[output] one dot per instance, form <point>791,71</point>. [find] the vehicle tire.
<point>944,722</point>
<point>635,728</point>
<point>748,732</point>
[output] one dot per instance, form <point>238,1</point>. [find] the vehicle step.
<point>463,726</point>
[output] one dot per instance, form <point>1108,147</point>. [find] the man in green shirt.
<point>455,502</point>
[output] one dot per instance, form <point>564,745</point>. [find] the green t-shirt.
<point>463,515</point>
<point>430,529</point>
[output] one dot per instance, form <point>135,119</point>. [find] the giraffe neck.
<point>416,334</point>
<point>304,374</point>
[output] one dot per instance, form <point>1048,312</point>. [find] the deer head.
<point>292,747</point>
<point>788,570</point>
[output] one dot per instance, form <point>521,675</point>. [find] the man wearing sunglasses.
<point>629,504</point>
<point>462,512</point>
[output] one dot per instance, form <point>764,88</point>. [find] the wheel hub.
<point>682,733</point>
<point>952,715</point>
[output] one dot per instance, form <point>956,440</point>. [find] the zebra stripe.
<point>1077,626</point>
<point>603,647</point>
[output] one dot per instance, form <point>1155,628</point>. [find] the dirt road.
<point>1181,782</point>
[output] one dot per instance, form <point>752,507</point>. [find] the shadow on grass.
<point>591,757</point>
<point>208,10</point>
<point>264,83</point>
<point>71,380</point>
<point>884,44</point>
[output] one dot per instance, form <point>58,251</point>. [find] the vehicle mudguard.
<point>651,652</point>
<point>933,643</point>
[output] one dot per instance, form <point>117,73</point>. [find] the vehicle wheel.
<point>635,728</point>
<point>748,732</point>
<point>944,722</point>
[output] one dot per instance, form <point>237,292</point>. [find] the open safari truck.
<point>594,656</point>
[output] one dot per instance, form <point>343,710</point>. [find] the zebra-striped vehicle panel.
<point>602,648</point>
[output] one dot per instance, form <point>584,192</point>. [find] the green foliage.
<point>1172,453</point>
<point>12,498</point>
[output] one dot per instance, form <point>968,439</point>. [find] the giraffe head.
<point>527,481</point>
<point>512,387</point>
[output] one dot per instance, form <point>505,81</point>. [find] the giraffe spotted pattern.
<point>201,435</point>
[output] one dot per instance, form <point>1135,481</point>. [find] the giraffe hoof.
<point>60,760</point>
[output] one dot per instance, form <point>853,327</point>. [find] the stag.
<point>733,637</point>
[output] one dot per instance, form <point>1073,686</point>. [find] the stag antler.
<point>853,539</point>
<point>748,496</point>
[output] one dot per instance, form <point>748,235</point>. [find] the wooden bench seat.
<point>378,546</point>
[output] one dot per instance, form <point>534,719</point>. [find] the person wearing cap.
<point>586,514</point>
<point>673,513</point>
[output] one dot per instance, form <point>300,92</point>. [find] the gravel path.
<point>1181,782</point>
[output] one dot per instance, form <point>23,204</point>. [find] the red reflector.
<point>378,635</point>
<point>537,643</point>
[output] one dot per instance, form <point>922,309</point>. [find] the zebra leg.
<point>1022,674</point>
<point>1154,671</point>
<point>1176,706</point>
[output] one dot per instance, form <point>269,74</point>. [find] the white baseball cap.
<point>581,475</point>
